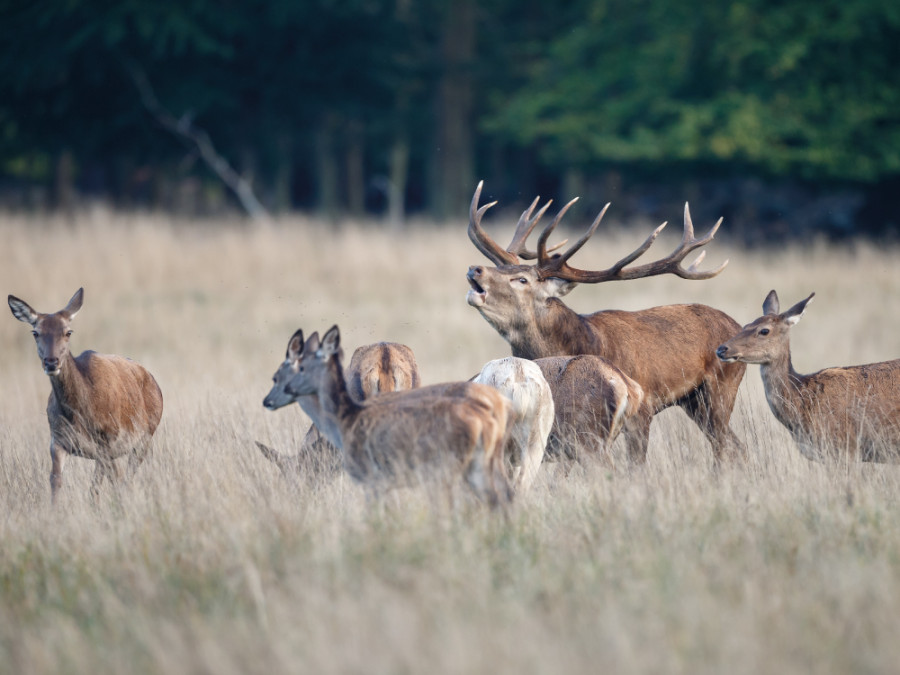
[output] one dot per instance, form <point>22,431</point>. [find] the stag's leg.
<point>637,435</point>
<point>57,456</point>
<point>136,457</point>
<point>710,406</point>
<point>97,479</point>
<point>105,469</point>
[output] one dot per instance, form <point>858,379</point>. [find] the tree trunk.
<point>453,173</point>
<point>63,196</point>
<point>284,171</point>
<point>356,170</point>
<point>327,169</point>
<point>399,173</point>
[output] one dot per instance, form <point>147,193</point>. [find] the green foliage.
<point>796,88</point>
<point>789,88</point>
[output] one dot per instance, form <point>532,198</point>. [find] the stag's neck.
<point>783,387</point>
<point>326,425</point>
<point>339,410</point>
<point>70,389</point>
<point>557,331</point>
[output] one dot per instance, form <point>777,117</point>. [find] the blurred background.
<point>781,116</point>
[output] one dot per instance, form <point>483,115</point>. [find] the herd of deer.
<point>573,382</point>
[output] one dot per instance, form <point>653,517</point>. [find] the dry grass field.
<point>210,562</point>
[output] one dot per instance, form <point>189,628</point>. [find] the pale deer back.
<point>381,367</point>
<point>522,382</point>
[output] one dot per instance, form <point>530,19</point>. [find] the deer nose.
<point>475,271</point>
<point>51,364</point>
<point>722,351</point>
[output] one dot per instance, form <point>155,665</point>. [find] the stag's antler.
<point>556,265</point>
<point>516,248</point>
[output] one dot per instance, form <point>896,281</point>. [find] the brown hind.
<point>101,407</point>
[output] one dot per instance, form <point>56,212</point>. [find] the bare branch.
<point>197,138</point>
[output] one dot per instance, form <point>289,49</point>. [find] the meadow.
<point>210,562</point>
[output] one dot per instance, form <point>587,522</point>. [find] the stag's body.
<point>374,369</point>
<point>669,351</point>
<point>101,407</point>
<point>851,412</point>
<point>523,383</point>
<point>593,400</point>
<point>389,438</point>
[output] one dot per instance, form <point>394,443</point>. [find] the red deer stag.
<point>101,407</point>
<point>669,351</point>
<point>852,412</point>
<point>387,437</point>
<point>373,369</point>
<point>593,401</point>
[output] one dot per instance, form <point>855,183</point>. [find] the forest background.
<point>783,117</point>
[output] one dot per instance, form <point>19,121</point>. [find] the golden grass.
<point>209,561</point>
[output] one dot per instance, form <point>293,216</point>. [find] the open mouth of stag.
<point>476,294</point>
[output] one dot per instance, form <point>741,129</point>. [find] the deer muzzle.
<point>722,353</point>
<point>476,295</point>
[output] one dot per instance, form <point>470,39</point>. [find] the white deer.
<point>522,382</point>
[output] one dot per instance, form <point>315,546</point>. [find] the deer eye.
<point>34,333</point>
<point>764,331</point>
<point>522,280</point>
<point>68,333</point>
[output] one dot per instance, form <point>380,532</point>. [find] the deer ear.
<point>771,306</point>
<point>331,341</point>
<point>557,288</point>
<point>22,310</point>
<point>312,343</point>
<point>74,304</point>
<point>295,346</point>
<point>793,315</point>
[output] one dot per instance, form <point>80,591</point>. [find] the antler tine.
<point>639,251</point>
<point>543,254</point>
<point>694,274</point>
<point>690,243</point>
<point>491,250</point>
<point>671,264</point>
<point>587,235</point>
<point>525,227</point>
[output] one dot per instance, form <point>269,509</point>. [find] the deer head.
<point>278,396</point>
<point>311,364</point>
<point>511,294</point>
<point>51,331</point>
<point>768,338</point>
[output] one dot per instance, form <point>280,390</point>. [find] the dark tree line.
<point>391,106</point>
